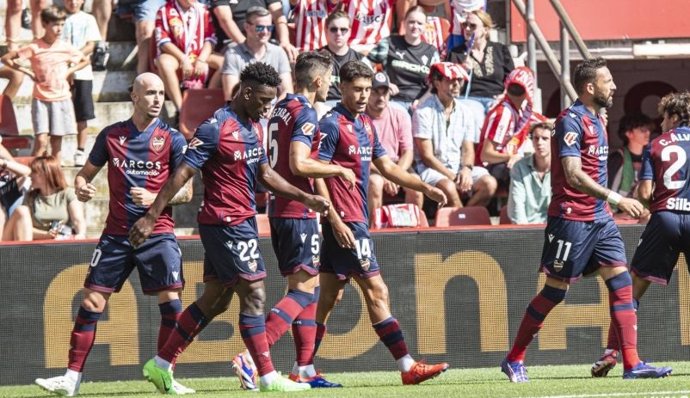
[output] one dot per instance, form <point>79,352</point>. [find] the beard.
<point>604,102</point>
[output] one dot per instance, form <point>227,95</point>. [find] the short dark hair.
<point>261,74</point>
<point>631,122</point>
<point>336,15</point>
<point>676,104</point>
<point>586,72</point>
<point>354,70</point>
<point>53,14</point>
<point>256,11</point>
<point>309,65</point>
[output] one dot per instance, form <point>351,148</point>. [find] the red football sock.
<point>83,336</point>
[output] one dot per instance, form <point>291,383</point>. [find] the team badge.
<point>252,264</point>
<point>365,263</point>
<point>157,143</point>
<point>194,143</point>
<point>558,265</point>
<point>569,138</point>
<point>235,134</point>
<point>316,260</point>
<point>308,129</point>
<point>122,139</point>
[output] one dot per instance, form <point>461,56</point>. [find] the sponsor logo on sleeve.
<point>194,143</point>
<point>570,137</point>
<point>308,129</point>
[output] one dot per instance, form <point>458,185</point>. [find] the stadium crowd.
<point>194,44</point>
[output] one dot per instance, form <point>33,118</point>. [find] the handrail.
<point>570,27</point>
<point>545,48</point>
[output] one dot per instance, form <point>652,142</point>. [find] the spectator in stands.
<point>394,128</point>
<point>143,14</point>
<point>337,37</point>
<point>53,62</point>
<point>229,17</point>
<point>50,210</point>
<point>488,62</point>
<point>14,78</point>
<point>310,23</point>
<point>371,21</point>
<point>13,182</point>
<point>530,180</point>
<point>444,133</point>
<point>256,48</point>
<point>506,127</point>
<point>407,60</point>
<point>81,31</point>
<point>13,20</point>
<point>457,11</point>
<point>625,163</point>
<point>184,41</point>
<point>102,10</point>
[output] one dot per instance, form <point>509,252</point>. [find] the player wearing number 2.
<point>348,252</point>
<point>227,149</point>
<point>664,188</point>
<point>141,153</point>
<point>581,236</point>
<point>293,145</point>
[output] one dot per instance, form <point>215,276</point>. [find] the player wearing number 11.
<point>664,186</point>
<point>580,236</point>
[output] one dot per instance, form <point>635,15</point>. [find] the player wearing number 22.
<point>227,149</point>
<point>664,187</point>
<point>581,236</point>
<point>350,141</point>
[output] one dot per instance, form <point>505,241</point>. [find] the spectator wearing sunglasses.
<point>258,27</point>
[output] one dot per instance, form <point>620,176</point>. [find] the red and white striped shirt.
<point>371,22</point>
<point>310,23</point>
<point>187,30</point>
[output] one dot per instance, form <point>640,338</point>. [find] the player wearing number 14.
<point>664,186</point>
<point>581,236</point>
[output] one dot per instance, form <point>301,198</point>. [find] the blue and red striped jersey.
<point>351,143</point>
<point>665,161</point>
<point>293,119</point>
<point>136,158</point>
<point>579,132</point>
<point>228,153</point>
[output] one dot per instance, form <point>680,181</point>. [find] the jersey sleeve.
<point>162,36</point>
<point>647,168</point>
<point>99,153</point>
<point>497,125</point>
<point>179,147</point>
<point>330,135</point>
<point>305,126</point>
<point>568,136</point>
<point>203,145</point>
<point>377,149</point>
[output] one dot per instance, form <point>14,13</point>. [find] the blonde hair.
<point>485,17</point>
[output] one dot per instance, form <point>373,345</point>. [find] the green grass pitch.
<point>546,381</point>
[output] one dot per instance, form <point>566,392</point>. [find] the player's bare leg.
<point>387,327</point>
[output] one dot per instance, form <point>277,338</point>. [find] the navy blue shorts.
<point>232,253</point>
<point>576,248</point>
<point>349,262</point>
<point>667,235</point>
<point>297,244</point>
<point>158,260</point>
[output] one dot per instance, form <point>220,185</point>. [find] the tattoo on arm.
<point>579,180</point>
<point>184,195</point>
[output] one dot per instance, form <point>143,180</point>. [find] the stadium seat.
<point>197,106</point>
<point>263,225</point>
<point>8,120</point>
<point>402,215</point>
<point>454,216</point>
<point>503,216</point>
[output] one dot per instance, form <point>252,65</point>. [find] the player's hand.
<point>436,195</point>
<point>141,230</point>
<point>513,159</point>
<point>343,234</point>
<point>390,188</point>
<point>349,176</point>
<point>142,197</point>
<point>86,192</point>
<point>631,207</point>
<point>318,204</point>
<point>463,180</point>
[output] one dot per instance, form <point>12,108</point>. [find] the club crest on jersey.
<point>235,134</point>
<point>425,59</point>
<point>194,143</point>
<point>365,263</point>
<point>569,138</point>
<point>122,139</point>
<point>252,264</point>
<point>557,265</point>
<point>157,143</point>
<point>308,129</point>
<point>400,54</point>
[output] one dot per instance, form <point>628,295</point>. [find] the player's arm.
<point>644,192</point>
<point>393,172</point>
<point>277,184</point>
<point>303,165</point>
<point>578,179</point>
<point>343,234</point>
<point>83,187</point>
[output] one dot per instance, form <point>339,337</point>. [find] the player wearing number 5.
<point>140,153</point>
<point>664,188</point>
<point>227,149</point>
<point>581,236</point>
<point>348,251</point>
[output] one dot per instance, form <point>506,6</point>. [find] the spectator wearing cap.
<point>394,129</point>
<point>444,132</point>
<point>506,127</point>
<point>259,27</point>
<point>624,164</point>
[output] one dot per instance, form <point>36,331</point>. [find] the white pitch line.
<point>617,394</point>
